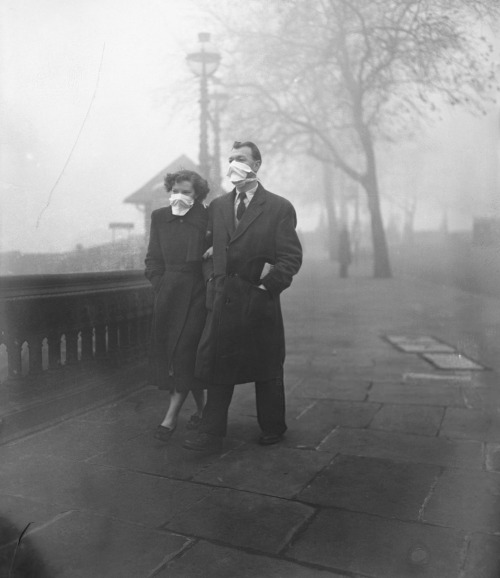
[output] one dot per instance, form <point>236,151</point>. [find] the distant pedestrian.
<point>174,268</point>
<point>344,252</point>
<point>256,253</point>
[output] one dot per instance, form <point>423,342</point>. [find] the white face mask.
<point>240,173</point>
<point>180,203</point>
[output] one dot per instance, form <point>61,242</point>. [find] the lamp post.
<point>219,97</point>
<point>203,63</point>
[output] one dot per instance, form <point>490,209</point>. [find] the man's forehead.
<point>241,152</point>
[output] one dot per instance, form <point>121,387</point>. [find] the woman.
<point>174,268</point>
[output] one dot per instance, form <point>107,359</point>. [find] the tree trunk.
<point>381,263</point>
<point>332,228</point>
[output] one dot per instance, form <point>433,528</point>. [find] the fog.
<point>87,118</point>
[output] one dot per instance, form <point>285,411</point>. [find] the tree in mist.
<point>330,78</point>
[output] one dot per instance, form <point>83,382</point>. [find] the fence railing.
<point>48,321</point>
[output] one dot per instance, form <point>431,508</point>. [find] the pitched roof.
<point>153,191</point>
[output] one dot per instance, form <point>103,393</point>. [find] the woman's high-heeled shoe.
<point>164,433</point>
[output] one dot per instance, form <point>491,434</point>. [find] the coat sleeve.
<point>288,253</point>
<point>155,264</point>
<point>208,264</point>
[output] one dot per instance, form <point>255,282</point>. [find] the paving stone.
<point>276,471</point>
<point>467,500</point>
<point>45,398</point>
<point>405,448</point>
<point>76,439</point>
<point>493,457</point>
<point>409,419</point>
<point>206,560</point>
<point>471,424</point>
<point>372,485</point>
<point>342,389</point>
<point>418,344</point>
<point>441,394</point>
<point>397,365</point>
<point>294,359</point>
<point>319,418</point>
<point>371,546</point>
<point>82,545</point>
<point>453,361</point>
<point>146,454</point>
<point>436,378</point>
<point>140,405</point>
<point>127,495</point>
<point>481,397</point>
<point>19,512</point>
<point>483,557</point>
<point>242,519</point>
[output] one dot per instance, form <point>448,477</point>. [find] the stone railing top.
<point>54,285</point>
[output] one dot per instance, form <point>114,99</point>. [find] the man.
<point>256,252</point>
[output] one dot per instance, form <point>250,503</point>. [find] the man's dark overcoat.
<point>174,267</point>
<point>243,340</point>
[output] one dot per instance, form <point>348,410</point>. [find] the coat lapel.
<point>228,212</point>
<point>253,210</point>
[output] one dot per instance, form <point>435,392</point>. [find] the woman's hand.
<point>208,253</point>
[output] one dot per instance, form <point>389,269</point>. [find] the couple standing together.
<point>217,274</point>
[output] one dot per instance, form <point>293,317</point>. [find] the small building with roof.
<point>152,195</point>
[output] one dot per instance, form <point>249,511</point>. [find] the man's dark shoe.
<point>204,442</point>
<point>270,439</point>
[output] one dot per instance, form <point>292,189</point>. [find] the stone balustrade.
<point>49,321</point>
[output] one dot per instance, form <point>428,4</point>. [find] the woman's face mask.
<point>180,203</point>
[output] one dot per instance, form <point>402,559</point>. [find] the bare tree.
<point>332,77</point>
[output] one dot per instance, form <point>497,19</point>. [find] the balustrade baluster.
<point>54,341</point>
<point>14,350</point>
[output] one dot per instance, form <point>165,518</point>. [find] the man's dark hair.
<point>254,148</point>
<point>200,185</point>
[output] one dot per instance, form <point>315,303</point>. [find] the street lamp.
<point>219,97</point>
<point>203,63</point>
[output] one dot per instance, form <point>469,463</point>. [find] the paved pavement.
<point>390,469</point>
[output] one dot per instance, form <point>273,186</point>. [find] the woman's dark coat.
<point>243,340</point>
<point>174,267</point>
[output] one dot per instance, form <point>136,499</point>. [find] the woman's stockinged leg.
<point>177,398</point>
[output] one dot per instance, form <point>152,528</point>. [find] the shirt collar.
<point>249,193</point>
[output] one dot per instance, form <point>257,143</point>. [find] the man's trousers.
<point>270,401</point>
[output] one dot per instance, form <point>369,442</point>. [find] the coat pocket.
<point>261,306</point>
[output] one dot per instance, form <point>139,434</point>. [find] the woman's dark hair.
<point>200,185</point>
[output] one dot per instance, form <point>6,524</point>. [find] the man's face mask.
<point>180,203</point>
<point>240,173</point>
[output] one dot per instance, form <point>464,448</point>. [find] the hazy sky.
<point>56,55</point>
<point>51,56</point>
